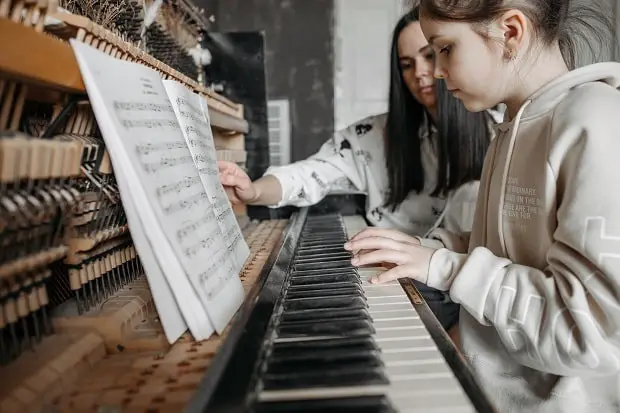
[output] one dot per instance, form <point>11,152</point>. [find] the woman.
<point>538,280</point>
<point>427,147</point>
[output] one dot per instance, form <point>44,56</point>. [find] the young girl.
<point>538,280</point>
<point>426,148</point>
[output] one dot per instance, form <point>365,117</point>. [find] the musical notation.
<point>200,246</point>
<point>186,205</point>
<point>192,227</point>
<point>219,233</point>
<point>177,187</point>
<point>141,106</point>
<point>150,148</point>
<point>183,103</point>
<point>166,162</point>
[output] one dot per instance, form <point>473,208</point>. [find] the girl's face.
<point>416,64</point>
<point>472,66</point>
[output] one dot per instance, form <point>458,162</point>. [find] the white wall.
<point>362,36</point>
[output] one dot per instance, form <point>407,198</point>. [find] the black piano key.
<point>316,366</point>
<point>327,278</point>
<point>323,314</point>
<point>325,249</point>
<point>322,237</point>
<point>313,316</point>
<point>319,239</point>
<point>322,265</point>
<point>322,234</point>
<point>346,377</point>
<point>349,302</point>
<point>325,292</point>
<point>290,349</point>
<point>318,246</point>
<point>340,256</point>
<point>322,287</point>
<point>365,404</point>
<point>343,327</point>
<point>324,271</point>
<point>324,356</point>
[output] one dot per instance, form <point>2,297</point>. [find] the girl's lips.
<point>426,89</point>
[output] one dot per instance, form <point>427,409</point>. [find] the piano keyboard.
<point>322,339</point>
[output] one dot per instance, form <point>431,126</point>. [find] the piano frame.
<point>229,383</point>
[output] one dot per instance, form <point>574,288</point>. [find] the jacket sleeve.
<point>564,318</point>
<point>337,166</point>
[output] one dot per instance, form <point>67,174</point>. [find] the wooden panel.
<point>26,58</point>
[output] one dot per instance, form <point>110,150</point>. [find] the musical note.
<point>182,102</point>
<point>177,187</point>
<point>149,148</point>
<point>186,204</point>
<point>166,162</point>
<point>141,106</point>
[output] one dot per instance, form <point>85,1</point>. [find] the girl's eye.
<point>429,56</point>
<point>445,50</point>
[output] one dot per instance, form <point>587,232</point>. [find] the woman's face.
<point>417,64</point>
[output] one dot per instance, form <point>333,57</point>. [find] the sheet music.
<point>235,235</point>
<point>195,123</point>
<point>148,150</point>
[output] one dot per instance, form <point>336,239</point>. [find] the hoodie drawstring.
<point>511,145</point>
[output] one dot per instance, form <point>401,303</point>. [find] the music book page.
<point>193,114</point>
<point>163,194</point>
<point>228,258</point>
<point>223,207</point>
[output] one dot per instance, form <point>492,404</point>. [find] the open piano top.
<point>315,336</point>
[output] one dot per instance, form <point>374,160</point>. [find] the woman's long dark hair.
<point>463,136</point>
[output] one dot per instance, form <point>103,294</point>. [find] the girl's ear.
<point>512,26</point>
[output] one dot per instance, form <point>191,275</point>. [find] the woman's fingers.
<point>235,181</point>
<point>232,196</point>
<point>226,167</point>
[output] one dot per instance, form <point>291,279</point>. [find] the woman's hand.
<point>378,245</point>
<point>237,183</point>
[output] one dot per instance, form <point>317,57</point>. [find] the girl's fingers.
<point>374,243</point>
<point>384,233</point>
<point>380,256</point>
<point>387,276</point>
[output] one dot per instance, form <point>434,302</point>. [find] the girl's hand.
<point>377,245</point>
<point>237,183</point>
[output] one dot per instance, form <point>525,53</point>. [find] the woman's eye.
<point>429,56</point>
<point>445,50</point>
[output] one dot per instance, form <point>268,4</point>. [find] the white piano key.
<point>420,378</point>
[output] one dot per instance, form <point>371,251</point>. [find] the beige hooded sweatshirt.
<point>538,280</point>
